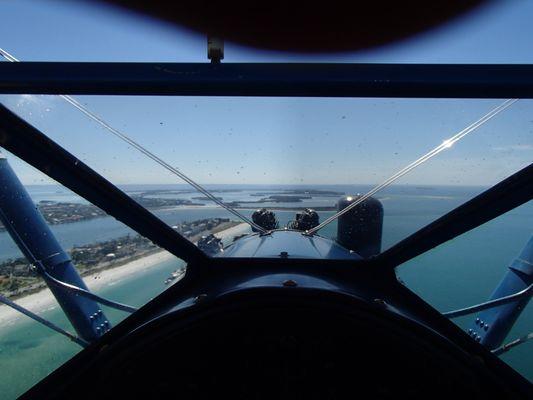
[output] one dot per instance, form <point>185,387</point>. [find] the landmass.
<point>55,212</point>
<point>315,192</point>
<point>42,299</point>
<point>287,196</point>
<point>17,278</point>
<point>61,213</point>
<point>205,198</point>
<point>158,202</point>
<point>272,199</point>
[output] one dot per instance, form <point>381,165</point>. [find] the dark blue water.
<point>461,272</point>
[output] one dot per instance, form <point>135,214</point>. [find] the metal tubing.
<point>490,304</point>
<point>499,199</point>
<point>43,321</point>
<point>269,79</point>
<point>36,241</point>
<point>492,326</point>
<point>85,293</point>
<point>28,143</point>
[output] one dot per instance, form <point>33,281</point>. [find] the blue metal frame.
<point>372,280</point>
<point>268,79</point>
<point>492,326</point>
<point>510,298</point>
<point>510,193</point>
<point>36,241</point>
<point>27,143</point>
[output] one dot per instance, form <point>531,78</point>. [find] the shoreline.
<point>43,300</point>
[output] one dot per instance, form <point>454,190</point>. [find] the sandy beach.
<point>44,300</point>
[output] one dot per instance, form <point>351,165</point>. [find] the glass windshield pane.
<point>283,154</point>
<point>289,154</point>
<point>466,270</point>
<point>114,261</point>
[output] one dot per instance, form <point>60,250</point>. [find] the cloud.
<point>514,147</point>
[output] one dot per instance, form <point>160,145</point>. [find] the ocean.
<point>456,274</point>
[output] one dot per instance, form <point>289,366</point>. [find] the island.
<point>18,279</point>
<point>159,202</point>
<point>311,192</point>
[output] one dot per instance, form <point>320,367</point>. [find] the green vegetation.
<point>17,278</point>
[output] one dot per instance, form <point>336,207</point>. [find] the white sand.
<point>233,231</point>
<point>43,300</point>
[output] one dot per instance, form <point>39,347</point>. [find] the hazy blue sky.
<point>252,140</point>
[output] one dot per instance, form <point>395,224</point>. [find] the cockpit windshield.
<point>214,173</point>
<point>205,165</point>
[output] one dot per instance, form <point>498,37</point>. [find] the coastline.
<point>43,300</point>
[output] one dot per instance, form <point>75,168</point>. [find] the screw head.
<point>200,298</point>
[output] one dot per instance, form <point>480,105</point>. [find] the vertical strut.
<point>36,241</point>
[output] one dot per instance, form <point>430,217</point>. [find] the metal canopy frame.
<point>32,146</point>
<point>311,80</point>
<point>510,193</point>
<point>269,79</point>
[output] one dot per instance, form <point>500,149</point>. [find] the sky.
<point>272,140</point>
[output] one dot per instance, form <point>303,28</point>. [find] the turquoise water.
<point>461,272</point>
<point>30,351</point>
<point>465,271</point>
